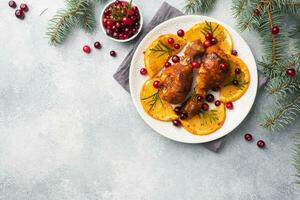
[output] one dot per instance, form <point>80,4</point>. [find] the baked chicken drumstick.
<point>213,71</point>
<point>177,80</point>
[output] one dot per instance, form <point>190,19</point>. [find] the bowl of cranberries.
<point>121,21</point>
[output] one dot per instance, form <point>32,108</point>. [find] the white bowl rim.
<point>212,136</point>
<point>118,40</point>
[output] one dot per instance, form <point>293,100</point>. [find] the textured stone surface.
<point>69,131</point>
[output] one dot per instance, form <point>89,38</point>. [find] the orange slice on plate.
<point>222,35</point>
<point>206,122</point>
<point>229,91</point>
<point>159,52</point>
<point>154,105</point>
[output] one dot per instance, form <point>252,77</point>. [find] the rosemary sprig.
<point>153,99</point>
<point>211,115</point>
<point>241,82</point>
<point>162,49</point>
<point>209,28</point>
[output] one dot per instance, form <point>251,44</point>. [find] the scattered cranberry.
<point>143,71</point>
<point>261,143</point>
<point>224,67</point>
<point>235,82</point>
<point>234,52</point>
<point>19,14</point>
<point>215,89</point>
<point>248,137</point>
<point>208,36</point>
<point>206,44</point>
<point>176,123</point>
<point>167,64</point>
<point>217,103</point>
<point>86,49</point>
<point>97,45</point>
<point>182,116</point>
<point>256,12</point>
<point>24,7</point>
<point>214,40</point>
<point>12,4</point>
<point>199,98</point>
<point>205,107</point>
<point>156,84</point>
<point>210,98</point>
<point>170,41</point>
<point>229,105</point>
<point>195,64</point>
<point>177,110</point>
<point>113,53</point>
<point>180,33</point>
<point>237,71</point>
<point>291,72</point>
<point>177,46</point>
<point>175,59</point>
<point>275,30</point>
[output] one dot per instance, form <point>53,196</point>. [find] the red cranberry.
<point>97,45</point>
<point>195,64</point>
<point>208,36</point>
<point>199,98</point>
<point>206,44</point>
<point>131,11</point>
<point>118,25</point>
<point>205,107</point>
<point>143,71</point>
<point>229,105</point>
<point>86,49</point>
<point>235,82</point>
<point>210,98</point>
<point>115,35</point>
<point>167,64</point>
<point>113,53</point>
<point>237,71</point>
<point>175,59</point>
<point>275,30</point>
<point>248,137</point>
<point>109,23</point>
<point>127,21</point>
<point>256,12</point>
<point>19,14</point>
<point>24,7</point>
<point>177,46</point>
<point>224,67</point>
<point>177,110</point>
<point>176,123</point>
<point>182,116</point>
<point>214,41</point>
<point>217,103</point>
<point>125,36</point>
<point>180,33</point>
<point>234,52</point>
<point>261,143</point>
<point>156,84</point>
<point>170,41</point>
<point>12,4</point>
<point>291,72</point>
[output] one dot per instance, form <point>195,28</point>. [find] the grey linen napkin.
<point>164,13</point>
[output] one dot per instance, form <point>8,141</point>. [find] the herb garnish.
<point>162,48</point>
<point>153,99</point>
<point>211,115</point>
<point>209,28</point>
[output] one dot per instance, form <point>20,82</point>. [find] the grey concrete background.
<point>69,131</point>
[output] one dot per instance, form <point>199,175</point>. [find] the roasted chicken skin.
<point>213,71</point>
<point>176,81</point>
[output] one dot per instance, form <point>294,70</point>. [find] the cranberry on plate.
<point>121,20</point>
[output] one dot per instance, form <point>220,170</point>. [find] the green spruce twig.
<point>198,6</point>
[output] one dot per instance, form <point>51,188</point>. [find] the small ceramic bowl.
<point>121,40</point>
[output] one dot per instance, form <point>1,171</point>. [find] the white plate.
<point>234,117</point>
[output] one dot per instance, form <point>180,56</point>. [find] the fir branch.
<point>283,86</point>
<point>295,34</point>
<point>198,6</point>
<point>77,13</point>
<point>290,7</point>
<point>296,157</point>
<point>162,48</point>
<point>282,114</point>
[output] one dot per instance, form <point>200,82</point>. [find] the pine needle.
<point>198,6</point>
<point>297,157</point>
